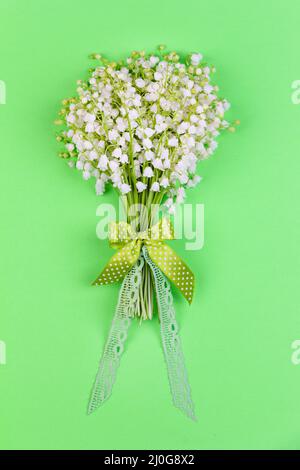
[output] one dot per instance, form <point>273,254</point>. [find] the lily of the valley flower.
<point>145,125</point>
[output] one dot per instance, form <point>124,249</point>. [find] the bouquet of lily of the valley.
<point>142,126</point>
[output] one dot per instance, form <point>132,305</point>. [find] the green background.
<point>237,335</point>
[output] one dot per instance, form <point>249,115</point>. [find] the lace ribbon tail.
<point>178,379</point>
<point>114,346</point>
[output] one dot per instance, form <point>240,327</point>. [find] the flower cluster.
<point>143,124</point>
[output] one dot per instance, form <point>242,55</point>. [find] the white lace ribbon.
<point>178,378</point>
<point>114,346</point>
<point>126,308</point>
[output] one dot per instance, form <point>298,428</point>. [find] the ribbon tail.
<point>178,378</point>
<point>173,268</point>
<point>114,346</point>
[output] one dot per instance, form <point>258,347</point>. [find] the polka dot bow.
<point>129,244</point>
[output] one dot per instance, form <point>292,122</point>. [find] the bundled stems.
<point>142,211</point>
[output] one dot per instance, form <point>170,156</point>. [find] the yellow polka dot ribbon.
<point>123,237</point>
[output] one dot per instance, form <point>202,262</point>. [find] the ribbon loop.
<point>129,244</point>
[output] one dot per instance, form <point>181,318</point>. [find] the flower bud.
<point>64,155</point>
<point>95,56</point>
